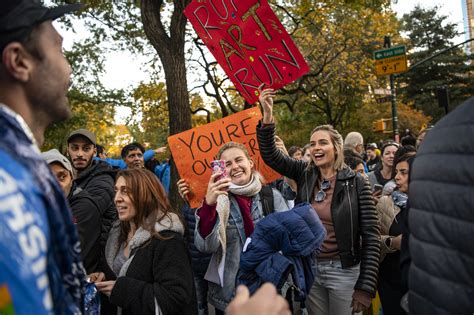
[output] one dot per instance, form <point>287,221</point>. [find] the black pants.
<point>390,285</point>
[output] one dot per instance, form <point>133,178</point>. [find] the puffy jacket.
<point>200,260</point>
<point>353,210</point>
<point>99,180</point>
<point>441,218</point>
<point>283,243</point>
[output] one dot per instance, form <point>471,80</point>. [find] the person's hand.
<point>216,188</point>
<point>396,242</point>
<point>376,195</point>
<point>160,150</point>
<point>280,145</point>
<point>183,188</point>
<point>266,301</point>
<point>105,287</point>
<point>96,277</point>
<point>360,301</point>
<point>266,100</point>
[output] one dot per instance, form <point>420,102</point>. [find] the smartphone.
<point>219,165</point>
<point>378,187</point>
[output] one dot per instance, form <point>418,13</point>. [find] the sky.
<point>121,66</point>
<point>451,8</point>
<point>124,70</point>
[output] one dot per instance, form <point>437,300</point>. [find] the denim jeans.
<point>201,295</point>
<point>331,293</point>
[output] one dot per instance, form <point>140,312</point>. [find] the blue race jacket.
<point>120,163</point>
<point>163,173</point>
<point>283,243</point>
<point>40,267</point>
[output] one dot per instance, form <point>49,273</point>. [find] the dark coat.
<point>200,260</point>
<point>86,216</point>
<point>283,243</point>
<point>441,218</point>
<point>159,270</point>
<point>353,210</point>
<point>99,180</point>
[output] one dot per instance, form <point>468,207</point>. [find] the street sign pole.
<point>396,135</point>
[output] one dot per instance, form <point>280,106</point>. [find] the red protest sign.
<point>249,42</point>
<point>194,149</point>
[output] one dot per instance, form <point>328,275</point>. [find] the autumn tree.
<point>337,41</point>
<point>429,33</point>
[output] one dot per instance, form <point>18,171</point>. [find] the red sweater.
<point>208,216</point>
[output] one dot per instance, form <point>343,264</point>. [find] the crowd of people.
<point>81,233</point>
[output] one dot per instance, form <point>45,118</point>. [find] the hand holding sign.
<point>183,189</point>
<point>193,151</point>
<point>266,100</point>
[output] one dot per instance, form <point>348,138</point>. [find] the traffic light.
<point>443,97</point>
<point>378,125</point>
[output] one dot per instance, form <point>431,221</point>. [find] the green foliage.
<point>429,33</point>
<point>96,117</point>
<point>152,126</point>
<point>112,27</point>
<point>337,40</point>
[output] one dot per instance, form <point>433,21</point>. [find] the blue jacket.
<point>120,163</point>
<point>283,243</point>
<point>40,267</point>
<point>162,171</point>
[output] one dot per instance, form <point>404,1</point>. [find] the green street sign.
<point>390,52</point>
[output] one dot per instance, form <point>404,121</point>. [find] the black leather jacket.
<point>353,210</point>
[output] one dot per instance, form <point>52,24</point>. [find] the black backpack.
<point>266,196</point>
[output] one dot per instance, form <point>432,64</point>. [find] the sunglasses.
<point>321,195</point>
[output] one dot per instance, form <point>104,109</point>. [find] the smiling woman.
<point>230,210</point>
<point>150,268</point>
<point>343,201</point>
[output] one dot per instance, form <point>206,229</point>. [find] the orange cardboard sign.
<point>194,149</point>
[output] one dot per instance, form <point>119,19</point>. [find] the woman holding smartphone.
<point>390,209</point>
<point>229,212</point>
<point>347,265</point>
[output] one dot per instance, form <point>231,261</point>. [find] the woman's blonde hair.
<point>338,144</point>
<point>230,145</point>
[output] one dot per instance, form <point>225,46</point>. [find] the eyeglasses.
<point>321,195</point>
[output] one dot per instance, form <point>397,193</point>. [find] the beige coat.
<point>386,211</point>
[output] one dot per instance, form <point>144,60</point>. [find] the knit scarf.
<point>169,223</point>
<point>399,199</point>
<point>223,212</point>
<point>65,271</point>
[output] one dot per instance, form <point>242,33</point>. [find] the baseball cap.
<point>84,133</point>
<point>54,155</point>
<point>371,146</point>
<point>19,17</point>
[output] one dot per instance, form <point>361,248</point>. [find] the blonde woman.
<point>230,210</point>
<point>347,265</point>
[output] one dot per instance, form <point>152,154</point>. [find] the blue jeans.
<point>331,293</point>
<point>201,295</point>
